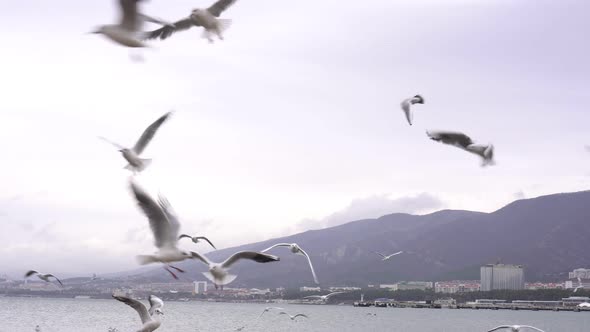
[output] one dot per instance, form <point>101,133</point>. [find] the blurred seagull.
<point>156,304</point>
<point>137,164</point>
<point>296,249</point>
<point>196,239</point>
<point>387,257</point>
<point>127,31</point>
<point>218,271</point>
<point>44,277</point>
<point>323,298</point>
<point>206,18</point>
<point>293,317</point>
<point>165,226</point>
<point>462,141</point>
<point>267,309</point>
<point>149,322</point>
<point>515,328</point>
<point>407,103</point>
<point>580,285</point>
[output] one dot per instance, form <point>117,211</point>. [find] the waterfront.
<point>89,315</point>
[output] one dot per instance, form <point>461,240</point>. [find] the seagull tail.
<point>143,165</point>
<point>224,24</point>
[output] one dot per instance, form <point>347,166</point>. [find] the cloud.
<point>373,207</point>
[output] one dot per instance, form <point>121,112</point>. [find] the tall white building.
<point>580,273</point>
<point>200,287</point>
<point>501,276</point>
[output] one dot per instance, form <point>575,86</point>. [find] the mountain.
<point>547,235</point>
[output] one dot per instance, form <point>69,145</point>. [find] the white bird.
<point>150,323</point>
<point>293,317</point>
<point>206,18</point>
<point>296,249</point>
<point>580,285</point>
<point>196,239</point>
<point>407,103</point>
<point>515,328</point>
<point>127,31</point>
<point>218,271</point>
<point>464,142</point>
<point>267,309</point>
<point>165,227</point>
<point>156,304</point>
<point>137,164</point>
<point>387,257</point>
<point>323,298</point>
<point>42,276</point>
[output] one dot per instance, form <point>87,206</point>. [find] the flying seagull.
<point>267,309</point>
<point>293,317</point>
<point>580,285</point>
<point>462,141</point>
<point>196,239</point>
<point>44,277</point>
<point>407,103</point>
<point>515,328</point>
<point>206,18</point>
<point>218,271</point>
<point>156,304</point>
<point>165,226</point>
<point>137,164</point>
<point>387,257</point>
<point>323,298</point>
<point>127,31</point>
<point>296,249</point>
<point>149,322</point>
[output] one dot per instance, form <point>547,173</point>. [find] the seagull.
<point>196,239</point>
<point>323,298</point>
<point>218,271</point>
<point>156,304</point>
<point>44,277</point>
<point>149,322</point>
<point>515,328</point>
<point>293,317</point>
<point>267,309</point>
<point>240,328</point>
<point>94,277</point>
<point>165,226</point>
<point>296,249</point>
<point>580,285</point>
<point>206,18</point>
<point>137,164</point>
<point>127,31</point>
<point>387,257</point>
<point>37,328</point>
<point>462,141</point>
<point>407,103</point>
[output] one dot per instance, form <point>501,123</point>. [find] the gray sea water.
<point>88,315</point>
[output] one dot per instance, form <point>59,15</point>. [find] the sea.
<point>93,315</point>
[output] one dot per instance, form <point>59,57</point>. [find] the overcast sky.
<point>291,123</point>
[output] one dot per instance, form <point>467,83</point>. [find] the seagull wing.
<point>120,147</point>
<point>380,254</point>
<point>155,303</point>
<point>206,239</point>
<point>451,137</point>
<point>155,213</point>
<point>200,257</point>
<point>317,297</point>
<point>138,306</point>
<point>532,328</point>
<point>315,278</point>
<point>300,315</point>
<point>397,253</point>
<point>167,31</point>
<point>579,282</point>
<point>174,228</point>
<point>277,245</point>
<point>129,18</point>
<point>332,294</point>
<point>499,328</point>
<point>185,236</point>
<point>51,275</point>
<point>406,108</point>
<point>149,133</point>
<point>30,273</point>
<point>217,8</point>
<point>251,255</point>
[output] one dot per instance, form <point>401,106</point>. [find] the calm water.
<point>69,315</point>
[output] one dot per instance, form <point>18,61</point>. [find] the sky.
<point>291,123</point>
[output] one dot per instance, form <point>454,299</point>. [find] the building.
<point>408,285</point>
<point>309,289</point>
<point>580,273</point>
<point>200,287</point>
<point>571,284</point>
<point>541,285</point>
<point>456,286</point>
<point>501,276</point>
<point>344,289</point>
<point>574,300</point>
